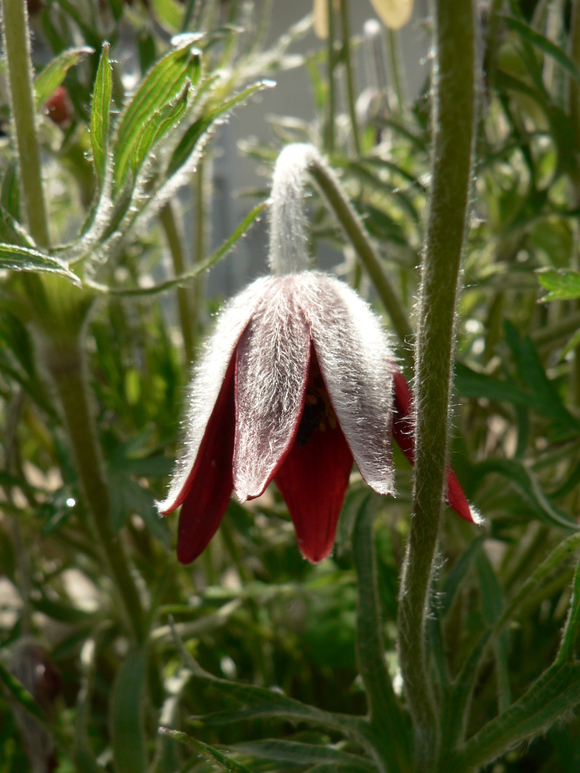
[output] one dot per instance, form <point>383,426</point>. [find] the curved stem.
<point>453,125</point>
<point>17,47</point>
<point>354,229</point>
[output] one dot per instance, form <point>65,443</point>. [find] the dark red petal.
<point>403,417</point>
<point>313,480</point>
<point>403,433</point>
<point>207,491</point>
<point>457,499</point>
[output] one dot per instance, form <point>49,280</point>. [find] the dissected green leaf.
<point>157,126</point>
<point>100,114</point>
<point>297,753</point>
<point>170,13</point>
<point>11,232</point>
<point>551,697</point>
<point>47,81</point>
<point>192,136</point>
<point>19,258</point>
<point>544,44</point>
<point>456,576</point>
<point>208,752</point>
<point>528,486</point>
<point>21,694</point>
<point>492,606</point>
<point>161,85</point>
<point>10,193</point>
<point>563,283</point>
<point>127,714</point>
<point>545,395</point>
<point>214,258</point>
<point>471,383</point>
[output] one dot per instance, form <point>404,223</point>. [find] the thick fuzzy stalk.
<point>17,50</point>
<point>66,369</point>
<point>454,94</point>
<point>288,237</point>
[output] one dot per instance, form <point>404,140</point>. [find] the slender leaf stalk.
<point>395,70</point>
<point>329,145</point>
<point>184,302</point>
<point>202,192</point>
<point>17,48</point>
<point>453,125</point>
<point>349,74</point>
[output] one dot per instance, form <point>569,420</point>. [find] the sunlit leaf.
<point>162,84</point>
<point>207,752</point>
<point>544,44</point>
<point>47,81</point>
<point>192,136</point>
<point>100,114</point>
<point>158,124</point>
<point>563,283</point>
<point>27,259</point>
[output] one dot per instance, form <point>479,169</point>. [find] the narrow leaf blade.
<point>100,114</point>
<point>127,728</point>
<point>47,81</point>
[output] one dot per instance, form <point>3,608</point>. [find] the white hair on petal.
<point>272,370</point>
<point>208,379</point>
<point>288,237</point>
<point>355,360</point>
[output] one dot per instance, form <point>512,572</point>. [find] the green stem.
<point>329,145</point>
<point>395,70</point>
<point>354,229</point>
<point>385,714</point>
<point>453,127</point>
<point>17,48</point>
<point>175,242</point>
<point>574,110</point>
<point>67,370</point>
<point>574,98</point>
<point>492,41</point>
<point>349,74</point>
<point>202,230</point>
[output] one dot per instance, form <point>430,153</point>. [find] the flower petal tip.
<point>314,554</point>
<point>476,516</point>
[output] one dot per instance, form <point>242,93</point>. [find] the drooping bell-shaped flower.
<point>295,383</point>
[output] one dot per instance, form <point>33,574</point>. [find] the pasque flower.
<point>295,383</point>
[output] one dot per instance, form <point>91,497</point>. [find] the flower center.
<point>318,414</point>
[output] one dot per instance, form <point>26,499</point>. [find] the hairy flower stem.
<point>354,229</point>
<point>66,369</point>
<point>17,48</point>
<point>454,95</point>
